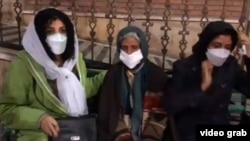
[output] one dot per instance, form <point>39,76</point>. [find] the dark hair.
<point>46,17</point>
<point>210,32</point>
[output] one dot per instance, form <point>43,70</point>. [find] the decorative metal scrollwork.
<point>184,32</point>
<point>148,23</point>
<point>110,26</point>
<point>73,8</point>
<point>204,17</point>
<point>18,10</point>
<point>92,26</point>
<point>130,9</point>
<point>165,38</point>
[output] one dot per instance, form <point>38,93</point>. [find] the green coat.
<point>27,95</point>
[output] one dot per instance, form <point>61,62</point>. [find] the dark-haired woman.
<point>202,84</point>
<point>47,80</point>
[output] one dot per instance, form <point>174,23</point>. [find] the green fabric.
<point>233,109</point>
<point>236,108</point>
<point>26,94</point>
<point>139,86</point>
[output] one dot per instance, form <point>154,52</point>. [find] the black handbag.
<point>77,129</point>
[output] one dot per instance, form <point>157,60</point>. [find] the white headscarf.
<point>70,90</point>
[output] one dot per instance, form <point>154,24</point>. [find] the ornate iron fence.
<point>149,18</point>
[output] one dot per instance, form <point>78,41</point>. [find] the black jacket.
<point>190,106</point>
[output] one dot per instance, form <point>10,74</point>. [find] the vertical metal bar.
<point>204,18</point>
<point>18,11</point>
<point>223,13</point>
<point>1,17</point>
<point>92,25</point>
<point>73,8</point>
<point>110,26</point>
<point>130,9</point>
<point>165,38</point>
<point>148,23</point>
<point>184,32</point>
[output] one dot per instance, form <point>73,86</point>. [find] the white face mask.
<point>131,60</point>
<point>217,56</point>
<point>57,43</point>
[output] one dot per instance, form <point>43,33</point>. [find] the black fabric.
<point>186,101</point>
<point>190,106</point>
<point>109,100</point>
<point>82,129</point>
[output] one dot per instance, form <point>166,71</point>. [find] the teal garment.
<point>140,83</point>
<point>20,101</point>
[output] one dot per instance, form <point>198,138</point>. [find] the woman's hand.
<point>207,69</point>
<point>49,125</point>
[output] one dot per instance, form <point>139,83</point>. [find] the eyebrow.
<point>52,28</point>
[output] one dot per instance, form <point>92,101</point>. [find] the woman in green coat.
<point>48,80</point>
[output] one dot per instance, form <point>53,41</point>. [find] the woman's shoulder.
<point>28,61</point>
<point>156,73</point>
<point>155,69</point>
<point>19,62</point>
<point>186,64</point>
<point>114,68</point>
<point>18,68</point>
<point>23,54</point>
<point>24,57</point>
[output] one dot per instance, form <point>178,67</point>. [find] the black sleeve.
<point>242,79</point>
<point>103,107</point>
<point>180,94</point>
<point>157,79</point>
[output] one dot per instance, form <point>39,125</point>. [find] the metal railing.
<point>130,17</point>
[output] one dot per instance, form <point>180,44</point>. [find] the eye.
<point>217,46</point>
<point>124,47</point>
<point>135,47</point>
<point>49,31</point>
<point>63,30</point>
<point>228,47</point>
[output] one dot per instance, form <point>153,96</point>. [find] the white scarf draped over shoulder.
<point>70,90</point>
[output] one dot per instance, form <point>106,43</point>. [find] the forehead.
<point>130,40</point>
<point>223,39</point>
<point>56,23</point>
